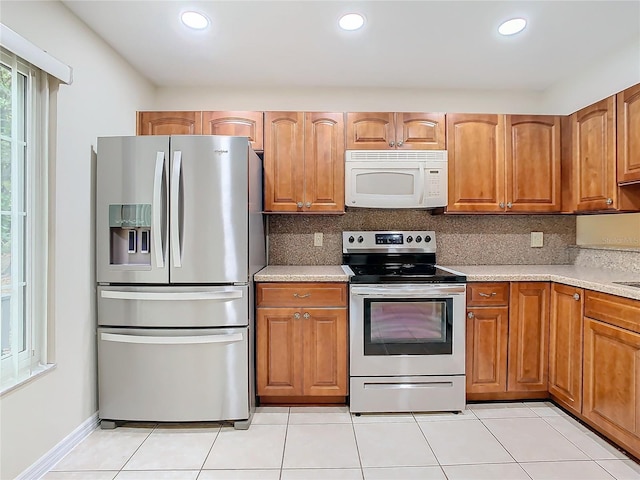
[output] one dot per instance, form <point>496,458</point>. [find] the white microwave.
<point>396,178</point>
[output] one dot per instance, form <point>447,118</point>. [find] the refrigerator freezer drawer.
<point>176,307</point>
<point>173,375</point>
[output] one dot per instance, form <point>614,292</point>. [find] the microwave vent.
<point>396,155</point>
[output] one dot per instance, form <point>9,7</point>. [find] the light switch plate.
<point>317,239</point>
<point>537,239</point>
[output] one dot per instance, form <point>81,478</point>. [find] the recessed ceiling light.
<point>513,26</point>
<point>351,21</point>
<point>195,20</point>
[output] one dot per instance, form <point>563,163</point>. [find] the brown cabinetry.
<point>565,346</point>
<point>507,339</point>
<point>301,342</point>
<point>242,124</point>
<point>304,162</point>
<point>611,400</point>
<point>389,130</point>
<point>628,130</point>
<point>503,163</point>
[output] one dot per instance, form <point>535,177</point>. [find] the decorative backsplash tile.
<point>461,239</point>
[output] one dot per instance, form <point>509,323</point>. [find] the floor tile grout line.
<point>137,448</point>
<point>430,447</point>
<point>210,449</point>
<point>284,445</point>
<point>498,440</point>
<point>355,439</point>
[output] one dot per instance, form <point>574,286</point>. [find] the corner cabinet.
<point>304,162</point>
<point>628,126</point>
<point>504,163</point>
<point>301,342</point>
<point>391,131</point>
<point>507,340</point>
<point>565,346</point>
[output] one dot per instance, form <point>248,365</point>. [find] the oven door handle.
<point>409,292</point>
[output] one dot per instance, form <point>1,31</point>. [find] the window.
<point>23,223</point>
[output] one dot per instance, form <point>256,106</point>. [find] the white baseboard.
<point>53,456</point>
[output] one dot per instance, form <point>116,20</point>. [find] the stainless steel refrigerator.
<point>179,235</point>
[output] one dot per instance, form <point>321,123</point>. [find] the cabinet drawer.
<point>619,311</point>
<point>301,294</point>
<point>487,294</point>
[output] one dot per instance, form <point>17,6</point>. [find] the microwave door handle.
<point>422,186</point>
<point>158,211</point>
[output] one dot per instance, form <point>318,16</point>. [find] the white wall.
<point>103,99</point>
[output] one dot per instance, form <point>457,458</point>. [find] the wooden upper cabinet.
<point>475,143</point>
<point>594,156</point>
<point>532,159</point>
<point>565,346</point>
<point>304,162</point>
<point>628,127</point>
<point>169,123</point>
<point>528,336</point>
<point>283,161</point>
<point>389,130</point>
<point>242,124</point>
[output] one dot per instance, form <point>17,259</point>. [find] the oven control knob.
<point>360,239</point>
<point>351,239</point>
<point>418,239</point>
<point>427,238</point>
<point>409,239</point>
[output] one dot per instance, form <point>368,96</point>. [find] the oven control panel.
<point>410,240</point>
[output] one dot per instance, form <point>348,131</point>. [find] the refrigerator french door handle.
<point>150,340</point>
<point>171,296</point>
<point>156,225</point>
<point>175,209</point>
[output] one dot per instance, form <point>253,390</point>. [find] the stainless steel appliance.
<point>396,178</point>
<point>406,322</point>
<point>179,234</point>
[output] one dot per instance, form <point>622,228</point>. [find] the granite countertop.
<point>598,279</point>
<point>302,273</point>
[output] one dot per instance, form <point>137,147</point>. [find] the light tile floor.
<point>509,441</point>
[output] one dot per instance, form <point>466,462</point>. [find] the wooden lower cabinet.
<point>301,349</point>
<point>565,346</point>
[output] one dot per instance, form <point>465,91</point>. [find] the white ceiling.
<point>414,44</point>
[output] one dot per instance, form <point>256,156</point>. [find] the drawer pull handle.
<point>493,294</point>
<point>304,295</point>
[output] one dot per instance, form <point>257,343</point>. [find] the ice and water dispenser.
<point>130,231</point>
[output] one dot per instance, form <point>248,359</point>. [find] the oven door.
<point>407,329</point>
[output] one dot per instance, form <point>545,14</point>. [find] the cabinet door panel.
<point>324,162</point>
<point>283,161</point>
<point>370,131</point>
<point>533,163</point>
<point>628,127</point>
<point>476,162</point>
<point>565,346</point>
<point>278,352</point>
<point>486,359</point>
<point>325,352</point>
<point>528,336</point>
<point>420,131</point>
<point>612,381</point>
<point>594,156</point>
<point>169,123</point>
<point>241,124</point>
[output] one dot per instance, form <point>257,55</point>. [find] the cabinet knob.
<point>308,204</point>
<point>392,143</point>
<point>400,143</point>
<point>509,204</point>
<point>304,295</point>
<point>470,315</point>
<point>609,201</point>
<point>576,296</point>
<point>296,315</point>
<point>487,295</point>
<point>306,315</point>
<point>501,205</point>
<point>299,204</point>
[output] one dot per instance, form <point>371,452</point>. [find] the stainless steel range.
<point>407,324</point>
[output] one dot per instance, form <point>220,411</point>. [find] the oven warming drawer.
<point>407,394</point>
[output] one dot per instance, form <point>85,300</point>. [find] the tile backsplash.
<point>461,239</point>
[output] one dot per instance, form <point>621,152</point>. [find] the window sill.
<point>37,373</point>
